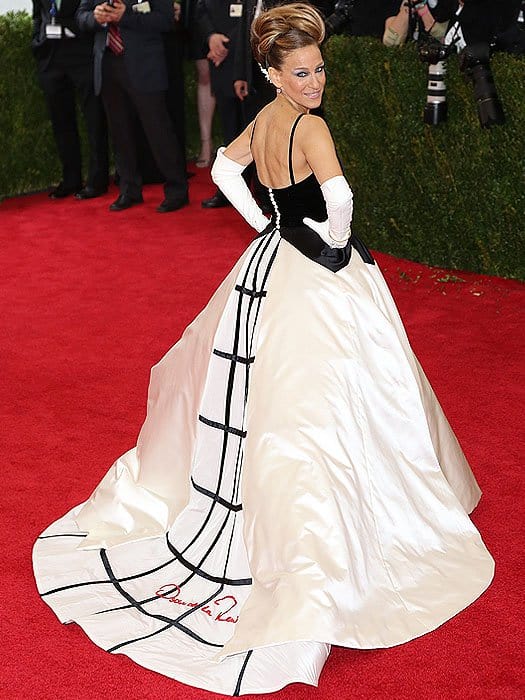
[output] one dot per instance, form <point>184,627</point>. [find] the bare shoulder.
<point>239,149</point>
<point>317,145</point>
<point>314,126</point>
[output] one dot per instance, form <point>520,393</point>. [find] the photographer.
<point>474,26</point>
<point>479,20</point>
<point>359,17</point>
<point>397,28</point>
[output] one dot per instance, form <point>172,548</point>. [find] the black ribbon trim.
<point>223,427</point>
<point>311,245</point>
<point>216,497</point>
<point>234,358</point>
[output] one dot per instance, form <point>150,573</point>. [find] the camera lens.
<point>436,109</point>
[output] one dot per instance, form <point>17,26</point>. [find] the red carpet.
<point>90,300</point>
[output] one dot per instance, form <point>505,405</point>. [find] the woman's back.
<point>282,167</point>
<point>276,147</point>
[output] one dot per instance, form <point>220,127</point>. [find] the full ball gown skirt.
<point>295,485</point>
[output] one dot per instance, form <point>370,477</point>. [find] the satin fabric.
<point>366,542</point>
<point>331,507</point>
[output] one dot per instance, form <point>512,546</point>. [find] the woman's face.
<point>302,77</point>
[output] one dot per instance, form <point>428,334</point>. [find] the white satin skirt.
<point>295,485</point>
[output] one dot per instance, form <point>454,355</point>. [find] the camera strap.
<point>454,35</point>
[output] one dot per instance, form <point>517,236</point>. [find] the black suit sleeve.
<point>243,51</point>
<point>85,18</point>
<point>203,19</point>
<point>37,23</point>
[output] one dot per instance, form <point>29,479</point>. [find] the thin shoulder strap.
<point>253,132</point>
<point>290,167</point>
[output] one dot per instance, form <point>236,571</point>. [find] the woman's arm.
<point>239,149</point>
<point>315,140</point>
<point>227,175</point>
<point>396,28</point>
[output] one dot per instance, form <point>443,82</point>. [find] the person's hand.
<point>105,12</point>
<point>218,51</point>
<point>396,28</point>
<point>117,10</point>
<point>176,11</point>
<point>241,89</point>
<point>102,13</point>
<point>322,229</point>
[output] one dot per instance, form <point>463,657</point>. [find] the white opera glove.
<point>227,175</point>
<point>335,231</point>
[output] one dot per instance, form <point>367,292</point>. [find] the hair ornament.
<point>264,71</point>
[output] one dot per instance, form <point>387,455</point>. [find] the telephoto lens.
<point>475,63</point>
<point>436,109</point>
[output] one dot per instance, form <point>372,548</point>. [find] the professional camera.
<point>342,14</point>
<point>432,51</point>
<point>435,54</point>
<point>474,62</point>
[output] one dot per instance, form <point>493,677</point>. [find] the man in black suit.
<point>65,69</point>
<point>131,75</point>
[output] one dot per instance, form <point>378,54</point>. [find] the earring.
<point>279,90</point>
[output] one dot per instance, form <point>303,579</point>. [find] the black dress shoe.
<point>90,192</point>
<point>170,204</point>
<point>218,200</point>
<point>125,201</point>
<point>61,191</point>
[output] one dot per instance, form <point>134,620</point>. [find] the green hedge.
<point>27,158</point>
<point>452,196</point>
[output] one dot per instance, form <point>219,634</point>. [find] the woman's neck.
<point>283,101</point>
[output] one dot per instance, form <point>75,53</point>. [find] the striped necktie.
<point>115,42</point>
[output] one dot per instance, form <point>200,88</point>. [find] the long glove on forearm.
<point>335,231</point>
<point>227,175</point>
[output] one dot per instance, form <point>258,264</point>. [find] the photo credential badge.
<point>236,9</point>
<point>143,7</point>
<point>53,31</point>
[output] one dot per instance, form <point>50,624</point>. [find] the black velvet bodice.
<point>299,200</point>
<point>302,200</point>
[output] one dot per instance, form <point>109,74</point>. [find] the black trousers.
<point>230,114</point>
<point>174,49</point>
<point>123,104</point>
<point>63,77</point>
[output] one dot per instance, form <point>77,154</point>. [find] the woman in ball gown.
<point>295,484</point>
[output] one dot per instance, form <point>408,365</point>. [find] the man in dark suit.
<point>218,22</point>
<point>131,75</point>
<point>65,69</point>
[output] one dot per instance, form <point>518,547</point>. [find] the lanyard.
<point>53,9</point>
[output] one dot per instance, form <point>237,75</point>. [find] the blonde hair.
<point>284,28</point>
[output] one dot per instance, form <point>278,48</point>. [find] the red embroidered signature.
<point>171,592</point>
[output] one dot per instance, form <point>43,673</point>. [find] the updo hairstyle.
<point>282,29</point>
